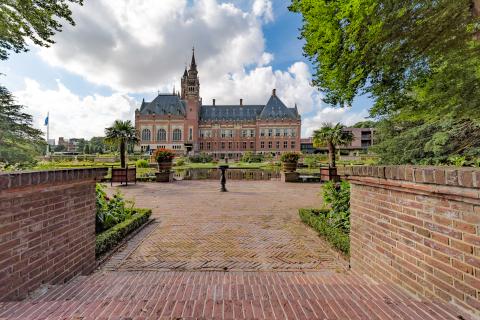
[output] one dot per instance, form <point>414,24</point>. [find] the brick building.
<point>180,121</point>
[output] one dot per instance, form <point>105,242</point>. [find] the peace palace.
<point>180,121</point>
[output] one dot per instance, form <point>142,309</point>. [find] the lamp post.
<point>223,179</point>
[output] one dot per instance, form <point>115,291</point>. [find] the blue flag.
<point>46,121</point>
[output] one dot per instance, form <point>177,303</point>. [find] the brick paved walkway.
<point>239,255</point>
<point>253,227</point>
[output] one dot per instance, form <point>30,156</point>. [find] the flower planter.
<point>289,166</point>
<point>165,166</point>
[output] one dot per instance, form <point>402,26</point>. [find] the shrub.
<point>163,155</point>
<point>337,196</point>
<point>110,211</point>
<point>290,157</point>
<point>109,238</point>
<point>141,163</point>
<point>318,219</point>
<point>180,162</point>
<point>201,158</point>
<point>250,157</point>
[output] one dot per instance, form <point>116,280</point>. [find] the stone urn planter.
<point>164,159</point>
<point>165,166</point>
<point>289,161</point>
<point>289,166</point>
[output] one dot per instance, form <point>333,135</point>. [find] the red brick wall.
<point>47,228</point>
<point>419,227</point>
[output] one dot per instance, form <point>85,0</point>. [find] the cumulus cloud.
<point>263,8</point>
<point>140,46</point>
<point>70,115</point>
<point>328,114</point>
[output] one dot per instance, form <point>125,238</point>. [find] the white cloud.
<point>70,115</point>
<point>328,114</point>
<point>142,45</point>
<point>263,8</point>
<point>138,45</point>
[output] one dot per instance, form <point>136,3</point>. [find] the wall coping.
<point>15,180</point>
<point>445,176</point>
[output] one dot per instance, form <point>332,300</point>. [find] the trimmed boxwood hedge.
<point>109,238</point>
<point>316,218</point>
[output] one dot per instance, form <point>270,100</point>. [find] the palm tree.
<point>331,136</point>
<point>121,133</point>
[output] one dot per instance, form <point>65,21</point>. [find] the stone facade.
<point>47,228</point>
<point>180,121</point>
<point>419,227</point>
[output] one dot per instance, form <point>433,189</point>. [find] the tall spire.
<point>193,64</point>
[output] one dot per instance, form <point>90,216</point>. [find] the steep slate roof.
<point>230,112</point>
<point>164,104</point>
<point>276,109</point>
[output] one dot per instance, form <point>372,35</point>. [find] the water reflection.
<point>232,174</point>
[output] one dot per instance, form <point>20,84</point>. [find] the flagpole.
<point>48,134</point>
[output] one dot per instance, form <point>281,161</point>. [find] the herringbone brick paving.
<point>253,227</point>
<point>253,232</point>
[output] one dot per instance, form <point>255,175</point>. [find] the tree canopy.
<point>121,133</point>
<point>19,141</point>
<point>37,20</point>
<point>418,59</point>
<point>332,136</point>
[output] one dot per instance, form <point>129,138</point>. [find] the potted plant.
<point>290,160</point>
<point>164,159</point>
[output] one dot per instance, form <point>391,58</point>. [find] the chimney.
<point>241,102</point>
<point>213,102</point>
<point>274,92</point>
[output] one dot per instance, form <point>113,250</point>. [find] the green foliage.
<point>163,155</point>
<point>319,220</point>
<point>121,133</point>
<point>19,141</point>
<point>337,197</point>
<point>250,157</point>
<point>365,124</point>
<point>37,21</point>
<point>180,162</point>
<point>290,157</point>
<point>141,163</point>
<point>418,60</point>
<point>200,158</point>
<point>111,237</point>
<point>429,143</point>
<point>110,211</point>
<point>332,136</point>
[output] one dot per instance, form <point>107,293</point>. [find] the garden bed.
<point>318,220</point>
<point>109,238</point>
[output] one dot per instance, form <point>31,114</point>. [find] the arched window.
<point>146,135</point>
<point>161,135</point>
<point>177,135</point>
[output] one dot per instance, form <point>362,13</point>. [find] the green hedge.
<point>317,219</point>
<point>109,238</point>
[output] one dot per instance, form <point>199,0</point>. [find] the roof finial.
<point>174,89</point>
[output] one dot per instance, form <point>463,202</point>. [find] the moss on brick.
<point>111,237</point>
<point>316,219</point>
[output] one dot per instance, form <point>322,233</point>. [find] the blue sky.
<point>101,69</point>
